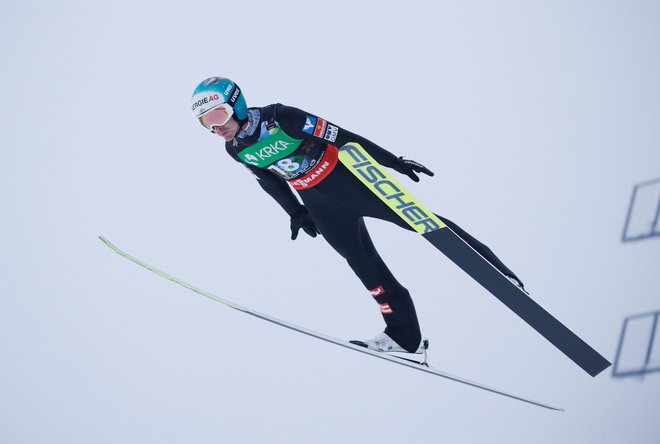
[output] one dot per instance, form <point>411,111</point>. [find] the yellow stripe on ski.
<point>388,189</point>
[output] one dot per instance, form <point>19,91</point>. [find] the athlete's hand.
<point>302,219</point>
<point>410,167</point>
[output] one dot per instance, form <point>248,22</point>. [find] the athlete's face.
<point>228,130</point>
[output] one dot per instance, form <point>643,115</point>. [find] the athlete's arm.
<point>302,125</point>
<point>279,190</point>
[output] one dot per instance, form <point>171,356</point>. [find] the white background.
<point>537,118</point>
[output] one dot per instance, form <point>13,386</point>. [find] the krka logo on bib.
<point>275,146</point>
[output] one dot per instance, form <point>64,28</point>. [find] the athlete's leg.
<point>348,190</point>
<point>348,235</point>
<point>381,211</point>
<point>374,207</point>
<point>394,300</point>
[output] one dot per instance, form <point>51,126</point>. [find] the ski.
<point>388,189</point>
<point>397,360</point>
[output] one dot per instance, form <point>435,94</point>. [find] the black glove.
<point>409,167</point>
<point>302,219</point>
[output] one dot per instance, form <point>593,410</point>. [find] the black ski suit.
<point>282,145</point>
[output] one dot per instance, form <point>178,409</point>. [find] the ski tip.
<point>107,243</point>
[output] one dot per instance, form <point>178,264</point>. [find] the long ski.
<point>390,191</point>
<point>401,361</point>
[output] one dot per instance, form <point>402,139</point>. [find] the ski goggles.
<point>217,116</point>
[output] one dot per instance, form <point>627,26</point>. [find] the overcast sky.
<point>538,119</point>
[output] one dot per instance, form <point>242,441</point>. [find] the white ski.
<point>330,339</point>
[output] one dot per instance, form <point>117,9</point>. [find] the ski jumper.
<point>284,146</point>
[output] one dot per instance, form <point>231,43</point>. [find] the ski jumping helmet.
<point>222,94</point>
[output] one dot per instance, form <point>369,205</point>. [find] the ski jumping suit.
<point>282,145</point>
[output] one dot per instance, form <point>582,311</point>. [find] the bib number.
<point>284,166</point>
